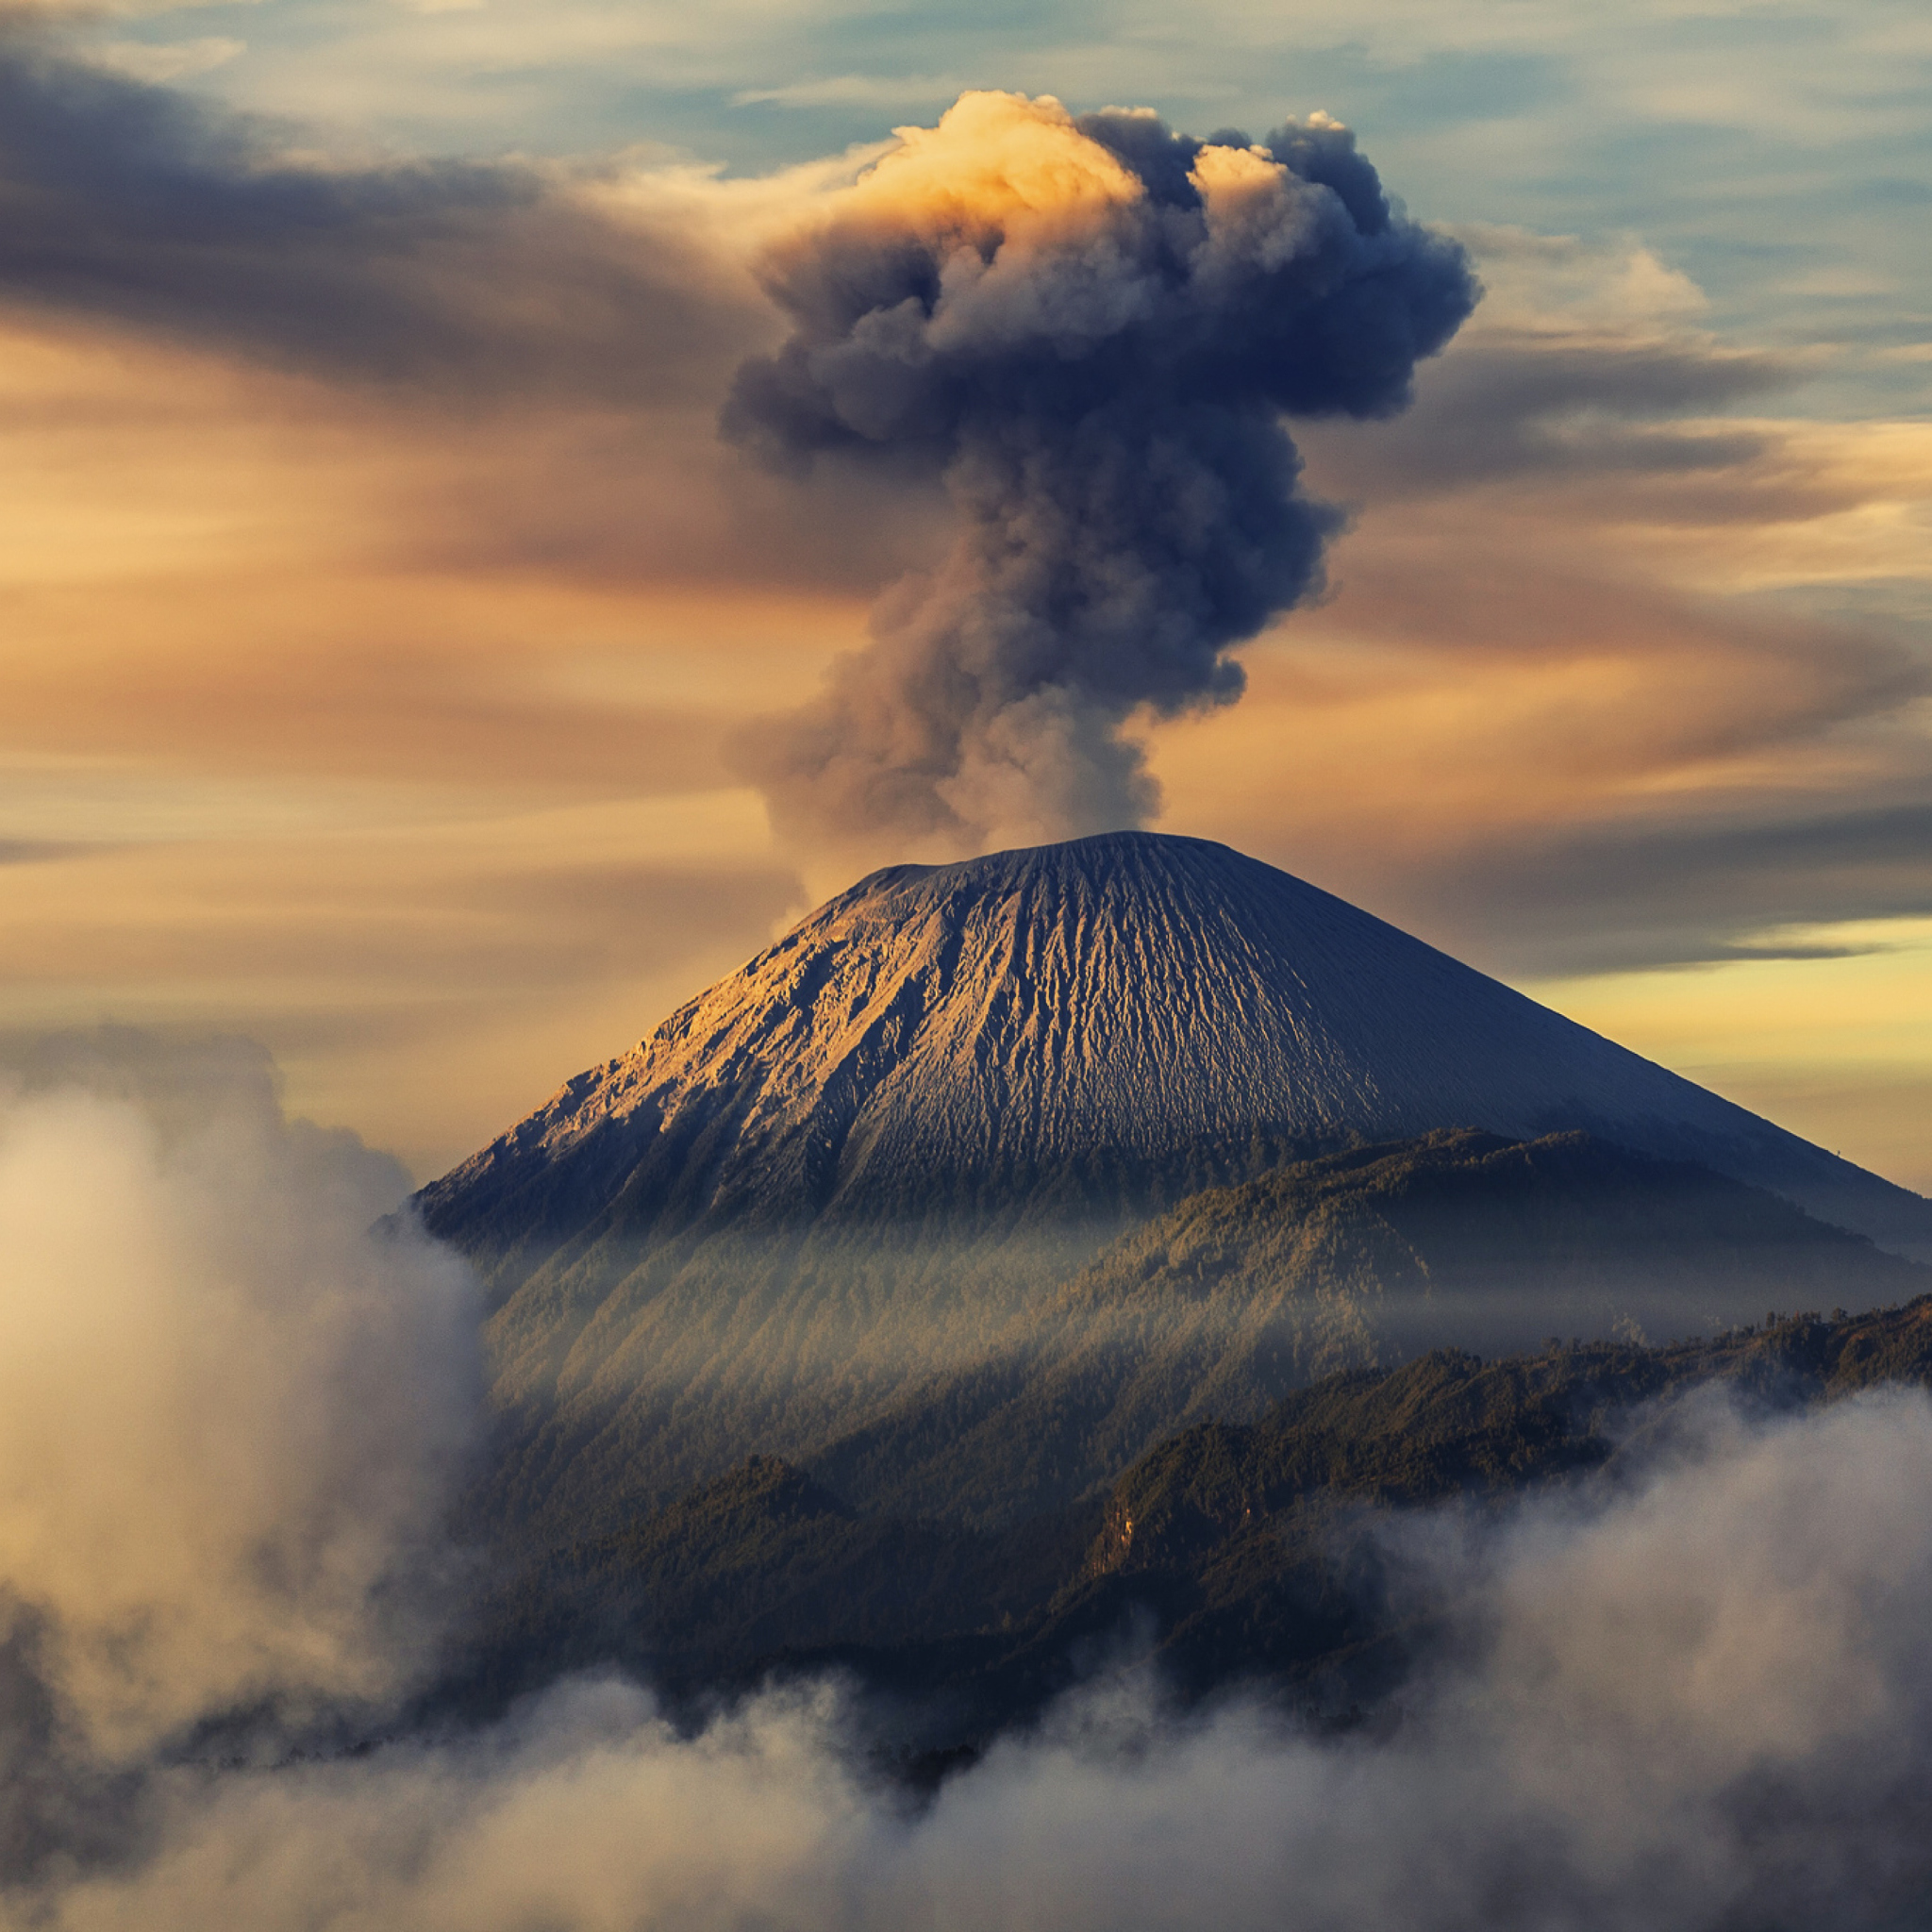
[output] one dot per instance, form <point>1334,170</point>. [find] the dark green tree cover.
<point>1234,1551</point>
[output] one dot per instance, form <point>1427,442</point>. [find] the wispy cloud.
<point>851,90</point>
<point>59,12</point>
<point>134,204</point>
<point>164,60</point>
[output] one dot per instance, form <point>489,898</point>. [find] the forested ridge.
<point>1231,1550</point>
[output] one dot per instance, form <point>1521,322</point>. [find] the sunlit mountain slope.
<point>858,1159</point>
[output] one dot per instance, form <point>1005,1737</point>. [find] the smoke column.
<point>1089,328</point>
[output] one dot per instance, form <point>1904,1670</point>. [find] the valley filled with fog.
<point>1692,1695</point>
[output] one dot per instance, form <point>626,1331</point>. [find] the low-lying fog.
<point>229,1420</point>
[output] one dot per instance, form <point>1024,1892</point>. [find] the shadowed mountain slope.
<point>855,1161</point>
<point>1224,1305</point>
<point>1239,1552</point>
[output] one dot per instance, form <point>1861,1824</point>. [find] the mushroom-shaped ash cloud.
<point>1091,328</point>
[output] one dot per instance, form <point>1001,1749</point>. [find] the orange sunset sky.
<point>379,605</point>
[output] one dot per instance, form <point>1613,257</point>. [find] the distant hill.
<point>1238,1552</point>
<point>1222,1306</point>
<point>762,1561</point>
<point>857,1162</point>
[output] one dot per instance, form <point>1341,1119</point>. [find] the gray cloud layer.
<point>1632,896</point>
<point>136,204</point>
<point>1092,329</point>
<point>230,1418</point>
<point>1699,1702</point>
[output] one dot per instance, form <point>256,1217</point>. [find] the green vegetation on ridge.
<point>1243,1550</point>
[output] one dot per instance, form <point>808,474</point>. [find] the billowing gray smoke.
<point>1091,328</point>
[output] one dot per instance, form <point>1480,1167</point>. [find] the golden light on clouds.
<point>998,170</point>
<point>395,719</point>
<point>1837,1045</point>
<point>505,503</point>
<point>275,759</point>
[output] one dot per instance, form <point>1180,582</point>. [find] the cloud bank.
<point>1698,1703</point>
<point>1695,1696</point>
<point>229,1413</point>
<point>134,204</point>
<point>1092,329</point>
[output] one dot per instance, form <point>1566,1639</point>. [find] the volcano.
<point>1079,1020</point>
<point>862,1154</point>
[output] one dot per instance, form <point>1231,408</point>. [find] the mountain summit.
<point>852,1176</point>
<point>1082,1020</point>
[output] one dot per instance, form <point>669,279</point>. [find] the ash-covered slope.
<point>1083,1019</point>
<point>853,1163</point>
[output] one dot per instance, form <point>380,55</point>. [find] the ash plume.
<point>1089,329</point>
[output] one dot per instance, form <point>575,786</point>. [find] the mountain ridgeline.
<point>988,1177</point>
<point>1256,1553</point>
<point>1219,1308</point>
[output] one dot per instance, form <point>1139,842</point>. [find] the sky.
<point>387,618</point>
